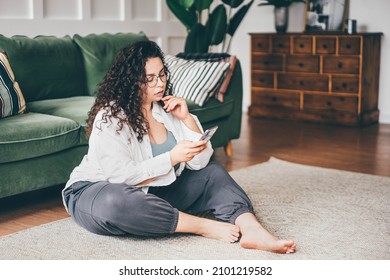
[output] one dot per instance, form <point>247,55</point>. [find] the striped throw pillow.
<point>196,81</point>
<point>219,93</point>
<point>11,98</point>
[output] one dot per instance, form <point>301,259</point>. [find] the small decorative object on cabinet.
<point>281,11</point>
<point>326,77</point>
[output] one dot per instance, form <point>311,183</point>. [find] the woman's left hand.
<point>176,106</point>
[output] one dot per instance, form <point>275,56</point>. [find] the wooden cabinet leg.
<point>229,149</point>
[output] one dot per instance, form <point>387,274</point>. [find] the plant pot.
<point>281,19</point>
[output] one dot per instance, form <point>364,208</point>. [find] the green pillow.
<point>99,52</point>
<point>46,67</point>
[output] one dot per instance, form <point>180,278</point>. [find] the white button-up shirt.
<point>118,157</point>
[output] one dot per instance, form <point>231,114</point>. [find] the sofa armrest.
<point>235,92</point>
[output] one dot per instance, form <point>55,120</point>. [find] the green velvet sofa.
<point>58,77</point>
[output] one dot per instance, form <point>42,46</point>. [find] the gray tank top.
<point>158,149</point>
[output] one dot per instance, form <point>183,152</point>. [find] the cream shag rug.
<point>330,214</point>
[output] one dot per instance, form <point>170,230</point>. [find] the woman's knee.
<point>117,199</point>
<point>216,170</point>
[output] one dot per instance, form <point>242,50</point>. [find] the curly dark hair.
<point>121,90</point>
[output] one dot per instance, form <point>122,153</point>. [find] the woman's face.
<point>156,80</point>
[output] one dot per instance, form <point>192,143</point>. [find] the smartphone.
<point>162,102</point>
<point>209,133</point>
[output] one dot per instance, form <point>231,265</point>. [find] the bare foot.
<point>254,236</point>
<point>220,231</point>
<point>259,238</point>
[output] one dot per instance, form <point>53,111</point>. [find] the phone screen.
<point>209,133</point>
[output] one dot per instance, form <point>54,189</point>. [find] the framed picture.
<point>326,15</point>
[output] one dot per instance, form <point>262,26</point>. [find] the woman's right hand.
<point>186,150</point>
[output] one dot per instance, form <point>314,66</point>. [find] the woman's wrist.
<point>173,161</point>
<point>187,119</point>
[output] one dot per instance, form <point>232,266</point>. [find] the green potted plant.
<point>207,26</point>
<point>281,8</point>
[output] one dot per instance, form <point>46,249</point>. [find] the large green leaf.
<point>202,4</point>
<point>233,3</point>
<point>197,40</point>
<point>237,18</point>
<point>186,16</point>
<point>186,4</point>
<point>217,25</point>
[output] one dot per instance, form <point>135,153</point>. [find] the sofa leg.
<point>229,149</point>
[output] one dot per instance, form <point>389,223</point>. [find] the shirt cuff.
<point>190,134</point>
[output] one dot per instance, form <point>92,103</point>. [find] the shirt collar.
<point>158,112</point>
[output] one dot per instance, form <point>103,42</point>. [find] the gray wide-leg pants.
<point>119,209</point>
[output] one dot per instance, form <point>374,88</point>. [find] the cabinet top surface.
<point>324,33</point>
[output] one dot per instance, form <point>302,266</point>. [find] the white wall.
<point>61,17</point>
<point>373,16</point>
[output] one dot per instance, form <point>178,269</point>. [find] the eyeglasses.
<point>152,80</point>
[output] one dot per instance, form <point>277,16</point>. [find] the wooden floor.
<point>365,150</point>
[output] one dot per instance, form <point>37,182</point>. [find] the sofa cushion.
<point>194,80</point>
<point>99,52</point>
<point>11,97</point>
<point>45,66</point>
<point>74,108</point>
<point>32,135</point>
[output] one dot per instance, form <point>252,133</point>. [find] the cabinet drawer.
<point>303,45</point>
<point>326,45</point>
<point>267,62</point>
<point>290,100</point>
<point>330,103</point>
<point>341,64</point>
<point>280,44</point>
<point>345,84</point>
<point>303,63</point>
<point>260,44</point>
<point>303,82</point>
<point>349,45</point>
<point>263,80</point>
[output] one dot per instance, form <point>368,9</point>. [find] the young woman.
<point>146,171</point>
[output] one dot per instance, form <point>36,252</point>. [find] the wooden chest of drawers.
<point>325,77</point>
